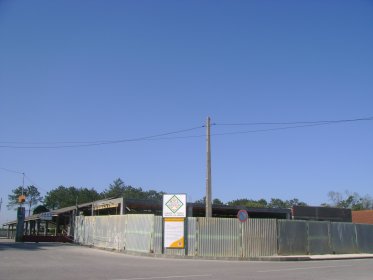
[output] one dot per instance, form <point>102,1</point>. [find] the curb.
<point>261,258</point>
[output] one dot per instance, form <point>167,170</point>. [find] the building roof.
<point>155,207</point>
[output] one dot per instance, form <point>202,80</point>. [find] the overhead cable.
<point>163,136</point>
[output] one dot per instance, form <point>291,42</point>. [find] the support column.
<point>45,228</point>
<point>33,228</point>
<point>37,227</point>
<point>25,228</point>
<point>20,224</point>
<point>57,225</point>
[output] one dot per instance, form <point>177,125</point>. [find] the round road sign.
<point>242,216</point>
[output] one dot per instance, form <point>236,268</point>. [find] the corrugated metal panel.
<point>292,237</point>
<point>364,235</point>
<point>139,233</point>
<point>219,237</point>
<point>259,237</point>
<point>192,237</point>
<point>110,232</point>
<point>343,237</point>
<point>84,230</point>
<point>101,237</point>
<point>78,230</point>
<point>158,234</point>
<point>319,238</point>
<point>103,231</point>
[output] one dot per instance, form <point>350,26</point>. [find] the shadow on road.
<point>27,246</point>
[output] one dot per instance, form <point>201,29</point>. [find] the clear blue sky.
<point>83,71</point>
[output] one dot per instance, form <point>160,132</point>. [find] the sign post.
<point>174,214</point>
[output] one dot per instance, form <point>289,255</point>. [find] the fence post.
<point>197,237</point>
<point>241,239</point>
<point>308,237</point>
<point>277,237</point>
<point>356,239</point>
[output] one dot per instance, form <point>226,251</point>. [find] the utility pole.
<point>23,181</point>
<point>208,170</point>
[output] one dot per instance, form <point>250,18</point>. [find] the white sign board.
<point>46,216</point>
<point>174,205</point>
<point>174,233</point>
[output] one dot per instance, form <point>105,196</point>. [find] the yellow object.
<point>21,198</point>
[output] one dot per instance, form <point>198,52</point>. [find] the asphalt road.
<point>63,261</point>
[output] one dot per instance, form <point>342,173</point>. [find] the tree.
<point>154,195</point>
<point>295,202</point>
<point>201,200</point>
<point>350,200</point>
<point>119,189</point>
<point>116,189</point>
<point>261,203</point>
<point>278,203</point>
<point>31,193</point>
<point>217,201</point>
<point>40,209</point>
<point>64,197</point>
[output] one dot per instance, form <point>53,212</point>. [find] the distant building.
<point>362,217</point>
<point>315,213</point>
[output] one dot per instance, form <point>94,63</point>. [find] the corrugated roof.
<point>54,213</point>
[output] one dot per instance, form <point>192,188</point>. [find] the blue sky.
<point>83,71</point>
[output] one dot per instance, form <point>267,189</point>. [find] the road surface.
<point>51,261</point>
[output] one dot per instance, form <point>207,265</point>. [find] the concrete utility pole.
<point>23,182</point>
<point>208,170</point>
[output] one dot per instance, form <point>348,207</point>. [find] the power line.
<point>11,171</point>
<point>54,145</point>
<point>304,125</point>
<point>295,123</point>
<point>289,125</point>
<point>32,182</point>
<point>24,176</point>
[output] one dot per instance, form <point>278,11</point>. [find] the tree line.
<point>61,197</point>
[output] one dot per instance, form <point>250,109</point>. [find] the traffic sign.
<point>242,216</point>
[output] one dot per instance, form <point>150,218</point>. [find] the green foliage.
<point>279,203</point>
<point>350,200</point>
<point>64,197</point>
<point>215,201</point>
<point>40,209</point>
<point>116,189</point>
<point>154,195</point>
<point>201,200</point>
<point>261,203</point>
<point>32,194</point>
<point>119,189</point>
